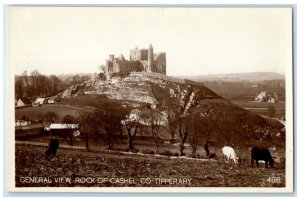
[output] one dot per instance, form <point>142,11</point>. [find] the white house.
<point>41,101</point>
<point>51,101</point>
<point>63,126</point>
<point>63,129</point>
<point>22,123</point>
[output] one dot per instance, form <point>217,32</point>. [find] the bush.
<point>212,155</point>
<point>134,151</point>
<point>198,156</point>
<point>120,149</point>
<point>50,117</point>
<point>147,151</point>
<point>25,118</point>
<point>68,119</point>
<point>101,76</point>
<point>125,150</point>
<point>168,153</point>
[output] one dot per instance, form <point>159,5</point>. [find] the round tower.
<point>150,58</point>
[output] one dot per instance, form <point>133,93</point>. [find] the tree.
<point>102,68</point>
<point>86,121</point>
<point>201,130</point>
<point>19,88</point>
<point>54,84</point>
<point>207,128</point>
<point>110,116</point>
<point>34,76</point>
<point>25,118</point>
<point>193,139</point>
<point>24,75</point>
<point>230,130</point>
<point>152,117</point>
<point>172,124</point>
<point>68,119</point>
<point>101,76</point>
<point>131,125</point>
<point>50,117</point>
<point>183,130</point>
<point>27,89</point>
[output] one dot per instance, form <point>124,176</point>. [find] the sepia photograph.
<point>150,99</point>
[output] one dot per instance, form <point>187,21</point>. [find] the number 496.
<point>273,180</point>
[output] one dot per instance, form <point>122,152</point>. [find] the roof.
<point>40,99</point>
<point>25,100</point>
<point>63,126</point>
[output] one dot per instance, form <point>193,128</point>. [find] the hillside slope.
<point>164,93</point>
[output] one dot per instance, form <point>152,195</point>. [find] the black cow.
<point>258,153</point>
<point>53,146</point>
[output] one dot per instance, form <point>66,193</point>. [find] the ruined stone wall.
<point>160,64</point>
<point>129,66</point>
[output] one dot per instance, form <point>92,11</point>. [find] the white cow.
<point>229,154</point>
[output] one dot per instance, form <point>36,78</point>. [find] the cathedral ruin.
<point>141,60</point>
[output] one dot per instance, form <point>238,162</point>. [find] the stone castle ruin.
<point>141,60</point>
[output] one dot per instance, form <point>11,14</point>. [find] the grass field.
<point>261,107</point>
<point>86,100</point>
<point>77,164</point>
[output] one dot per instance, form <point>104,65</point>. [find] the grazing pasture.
<point>73,164</point>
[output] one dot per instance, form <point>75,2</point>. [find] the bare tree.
<point>25,76</point>
<point>19,88</point>
<point>131,126</point>
<point>110,117</point>
<point>34,76</point>
<point>152,117</point>
<point>86,121</point>
<point>193,139</point>
<point>207,128</point>
<point>172,124</point>
<point>102,68</point>
<point>230,130</point>
<point>183,130</point>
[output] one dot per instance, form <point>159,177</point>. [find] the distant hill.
<point>236,77</point>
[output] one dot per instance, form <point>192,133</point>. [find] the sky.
<point>197,41</point>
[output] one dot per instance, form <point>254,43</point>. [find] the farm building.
<point>67,131</point>
<point>41,101</point>
<point>63,129</point>
<point>22,102</point>
<point>22,123</point>
<point>51,101</point>
<point>264,96</point>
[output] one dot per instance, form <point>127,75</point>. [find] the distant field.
<point>34,112</point>
<point>261,107</point>
<point>254,104</point>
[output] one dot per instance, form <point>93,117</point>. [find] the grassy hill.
<point>141,89</point>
